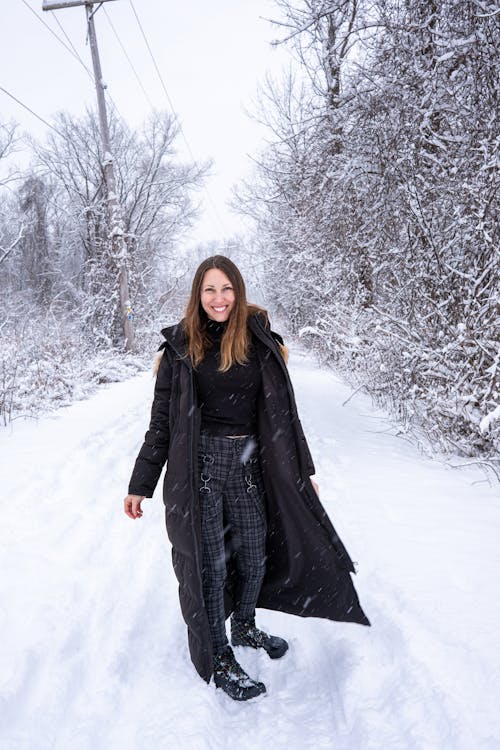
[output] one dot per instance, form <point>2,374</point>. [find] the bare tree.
<point>153,188</point>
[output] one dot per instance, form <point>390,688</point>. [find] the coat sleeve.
<point>154,451</point>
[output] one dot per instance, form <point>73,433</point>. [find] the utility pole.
<point>118,243</point>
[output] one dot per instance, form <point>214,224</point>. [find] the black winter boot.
<point>244,633</point>
<point>233,679</point>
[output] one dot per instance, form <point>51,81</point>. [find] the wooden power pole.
<point>118,243</point>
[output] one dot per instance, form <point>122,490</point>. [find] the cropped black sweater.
<point>228,400</point>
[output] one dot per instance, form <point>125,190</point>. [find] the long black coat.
<point>307,568</point>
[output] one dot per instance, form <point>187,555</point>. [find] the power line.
<point>169,100</point>
<point>77,55</point>
<point>73,52</point>
<point>128,59</point>
<point>90,74</point>
<point>68,49</point>
<point>32,112</point>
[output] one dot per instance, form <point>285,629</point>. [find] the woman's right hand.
<point>132,506</point>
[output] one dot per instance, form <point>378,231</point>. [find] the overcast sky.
<point>212,56</point>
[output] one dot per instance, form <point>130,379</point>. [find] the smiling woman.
<point>242,513</point>
<point>217,295</point>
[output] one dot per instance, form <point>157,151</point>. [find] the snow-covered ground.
<point>93,648</point>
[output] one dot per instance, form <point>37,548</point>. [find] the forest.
<point>374,207</point>
<point>378,196</point>
<point>62,328</point>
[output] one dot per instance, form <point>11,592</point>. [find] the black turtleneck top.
<point>228,400</point>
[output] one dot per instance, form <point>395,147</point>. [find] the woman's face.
<point>217,295</point>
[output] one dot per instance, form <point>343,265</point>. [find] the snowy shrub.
<point>47,365</point>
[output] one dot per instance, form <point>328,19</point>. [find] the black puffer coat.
<point>307,569</point>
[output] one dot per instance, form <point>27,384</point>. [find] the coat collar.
<point>176,338</point>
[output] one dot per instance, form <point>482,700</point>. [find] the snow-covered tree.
<point>377,195</point>
<point>61,324</point>
<point>154,190</point>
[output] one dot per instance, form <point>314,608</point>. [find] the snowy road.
<point>93,648</point>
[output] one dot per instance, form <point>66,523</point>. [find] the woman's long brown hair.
<point>235,341</point>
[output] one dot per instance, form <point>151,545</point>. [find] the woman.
<point>242,513</point>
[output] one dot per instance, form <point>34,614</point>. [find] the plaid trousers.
<point>231,494</point>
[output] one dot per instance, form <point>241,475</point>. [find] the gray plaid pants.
<point>231,494</point>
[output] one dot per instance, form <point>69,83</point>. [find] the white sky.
<point>212,56</point>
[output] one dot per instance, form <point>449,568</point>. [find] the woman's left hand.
<point>316,488</point>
